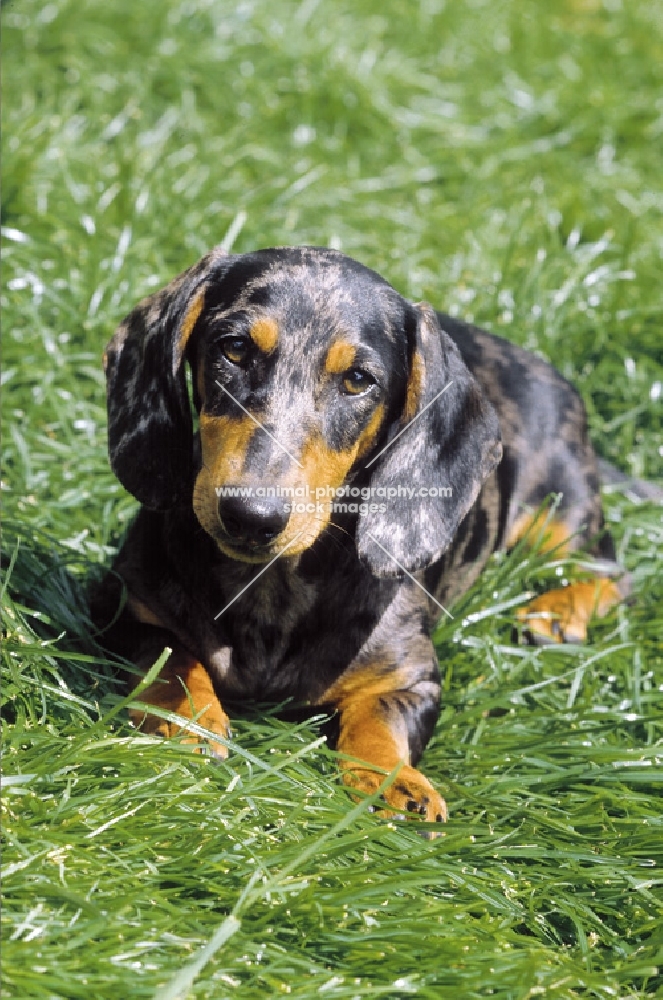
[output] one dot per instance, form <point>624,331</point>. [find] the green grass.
<point>501,159</point>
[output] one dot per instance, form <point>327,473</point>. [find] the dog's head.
<point>309,374</point>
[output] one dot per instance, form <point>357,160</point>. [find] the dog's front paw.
<point>557,616</point>
<point>563,615</point>
<point>410,794</point>
<point>213,719</point>
<point>187,692</point>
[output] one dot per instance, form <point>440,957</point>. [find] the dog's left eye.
<point>356,381</point>
<point>235,349</point>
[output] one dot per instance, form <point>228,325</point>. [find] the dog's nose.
<point>253,520</point>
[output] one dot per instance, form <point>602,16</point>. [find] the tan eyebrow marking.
<point>340,356</point>
<point>264,333</point>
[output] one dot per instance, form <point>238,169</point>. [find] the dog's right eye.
<point>357,382</point>
<point>235,349</point>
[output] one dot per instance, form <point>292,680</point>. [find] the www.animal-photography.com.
<point>333,499</point>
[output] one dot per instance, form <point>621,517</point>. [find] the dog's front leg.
<point>384,723</point>
<point>183,687</point>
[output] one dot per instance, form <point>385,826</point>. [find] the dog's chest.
<point>290,634</point>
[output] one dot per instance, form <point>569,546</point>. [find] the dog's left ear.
<point>449,445</point>
<point>150,427</point>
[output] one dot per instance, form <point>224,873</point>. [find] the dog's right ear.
<point>450,437</point>
<point>150,428</point>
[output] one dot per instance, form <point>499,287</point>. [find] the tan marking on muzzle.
<point>323,467</point>
<point>224,442</point>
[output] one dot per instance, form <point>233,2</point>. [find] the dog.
<point>357,459</point>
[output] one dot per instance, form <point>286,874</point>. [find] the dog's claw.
<point>411,796</point>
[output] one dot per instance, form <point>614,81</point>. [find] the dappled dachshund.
<point>357,460</point>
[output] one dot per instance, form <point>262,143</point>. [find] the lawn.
<point>501,159</point>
